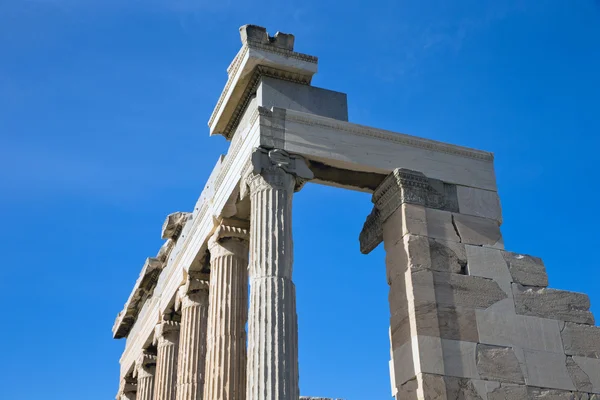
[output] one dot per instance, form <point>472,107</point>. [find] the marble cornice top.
<point>260,55</point>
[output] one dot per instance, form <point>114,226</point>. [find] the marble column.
<point>193,300</point>
<point>166,338</point>
<point>228,313</point>
<point>272,322</point>
<point>145,369</point>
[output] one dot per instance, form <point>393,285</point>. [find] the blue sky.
<point>103,112</point>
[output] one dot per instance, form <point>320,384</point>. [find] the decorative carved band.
<point>145,361</point>
<point>372,233</point>
<point>406,186</point>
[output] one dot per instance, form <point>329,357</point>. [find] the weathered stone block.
<point>479,202</point>
<point>526,270</point>
<point>447,256</point>
<point>521,331</point>
<point>552,303</point>
<point>581,340</point>
<point>461,388</point>
<point>548,370</point>
<point>460,358</point>
<point>440,225</point>
<point>580,378</point>
<point>591,368</point>
<point>534,393</point>
<point>478,231</point>
<point>466,291</point>
<point>457,323</point>
<point>487,262</point>
<point>498,364</point>
<point>508,392</point>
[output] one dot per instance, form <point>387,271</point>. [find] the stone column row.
<point>205,355</point>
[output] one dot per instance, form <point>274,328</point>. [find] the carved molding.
<point>145,364</point>
<point>372,232</point>
<point>143,289</point>
<point>404,186</point>
<point>412,187</point>
<point>174,224</point>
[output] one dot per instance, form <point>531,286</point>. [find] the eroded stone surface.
<point>580,378</point>
<point>552,303</point>
<point>526,270</point>
<point>447,256</point>
<point>549,370</point>
<point>581,340</point>
<point>467,291</point>
<point>478,231</point>
<point>498,364</point>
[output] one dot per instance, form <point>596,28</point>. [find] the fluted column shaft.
<point>272,322</point>
<point>145,371</point>
<point>192,340</point>
<point>167,339</point>
<point>228,313</point>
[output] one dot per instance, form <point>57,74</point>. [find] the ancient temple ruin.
<point>468,320</point>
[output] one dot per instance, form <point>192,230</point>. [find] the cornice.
<point>372,233</point>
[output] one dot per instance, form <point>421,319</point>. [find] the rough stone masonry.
<point>468,319</point>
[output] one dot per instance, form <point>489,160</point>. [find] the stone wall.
<point>470,320</point>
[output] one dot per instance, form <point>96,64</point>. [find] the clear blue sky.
<point>103,111</point>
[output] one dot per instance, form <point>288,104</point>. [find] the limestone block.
<point>423,386</point>
<point>447,256</point>
<point>457,323</point>
<point>549,370</point>
<point>498,364</point>
<point>466,291</point>
<point>526,270</point>
<point>479,202</point>
<point>508,392</point>
<point>429,350</point>
<point>478,231</point>
<point>461,388</point>
<point>485,387</point>
<point>403,364</point>
<point>580,378</point>
<point>589,367</point>
<point>552,303</point>
<point>487,263</point>
<point>581,340</point>
<point>440,226</point>
<point>521,331</point>
<point>412,219</point>
<point>460,358</point>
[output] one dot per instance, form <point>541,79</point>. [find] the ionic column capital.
<point>167,330</point>
<point>145,365</point>
<point>194,291</point>
<point>275,166</point>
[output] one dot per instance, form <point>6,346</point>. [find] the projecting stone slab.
<point>521,331</point>
<point>478,231</point>
<point>589,367</point>
<point>526,270</point>
<point>466,291</point>
<point>547,370</point>
<point>498,364</point>
<point>552,303</point>
<point>447,256</point>
<point>581,340</point>
<point>580,378</point>
<point>478,202</point>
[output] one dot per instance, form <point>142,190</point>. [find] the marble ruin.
<point>468,319</point>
